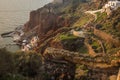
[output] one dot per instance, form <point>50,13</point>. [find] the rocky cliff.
<point>45,20</point>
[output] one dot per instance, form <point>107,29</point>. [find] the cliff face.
<point>44,21</point>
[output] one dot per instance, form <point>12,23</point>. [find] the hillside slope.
<point>72,45</point>
<point>54,23</point>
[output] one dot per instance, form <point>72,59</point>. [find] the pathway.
<point>93,13</point>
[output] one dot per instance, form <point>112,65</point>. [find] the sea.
<point>14,13</point>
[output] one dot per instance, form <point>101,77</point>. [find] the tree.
<point>6,62</point>
<point>28,64</point>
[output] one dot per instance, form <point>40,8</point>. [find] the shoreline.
<point>20,39</point>
<point>7,34</point>
<point>16,35</point>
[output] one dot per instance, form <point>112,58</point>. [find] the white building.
<point>113,4</point>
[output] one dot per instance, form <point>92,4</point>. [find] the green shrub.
<point>12,77</point>
<point>64,37</point>
<point>29,63</point>
<point>6,62</point>
<point>101,16</point>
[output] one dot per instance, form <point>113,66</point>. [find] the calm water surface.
<point>14,13</point>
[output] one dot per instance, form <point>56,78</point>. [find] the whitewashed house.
<point>113,4</point>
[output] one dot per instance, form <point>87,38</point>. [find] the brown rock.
<point>44,21</point>
<point>113,77</point>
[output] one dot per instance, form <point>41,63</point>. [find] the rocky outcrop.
<point>44,20</point>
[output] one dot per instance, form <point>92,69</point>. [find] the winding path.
<point>93,13</point>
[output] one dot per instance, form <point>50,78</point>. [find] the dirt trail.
<point>93,13</point>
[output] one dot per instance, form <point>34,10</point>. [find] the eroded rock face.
<point>43,21</point>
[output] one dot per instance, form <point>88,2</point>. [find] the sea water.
<point>14,13</point>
